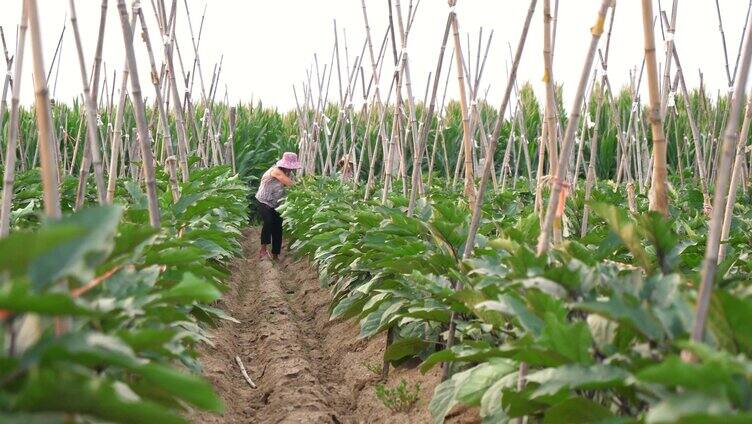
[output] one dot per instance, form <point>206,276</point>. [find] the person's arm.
<point>281,177</point>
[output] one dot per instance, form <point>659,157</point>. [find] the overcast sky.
<point>268,45</point>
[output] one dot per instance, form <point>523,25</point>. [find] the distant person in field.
<point>346,166</point>
<point>269,194</point>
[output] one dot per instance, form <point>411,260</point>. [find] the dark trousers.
<point>271,231</point>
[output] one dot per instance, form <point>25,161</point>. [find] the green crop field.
<point>577,256</point>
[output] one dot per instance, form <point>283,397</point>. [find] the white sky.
<point>268,45</point>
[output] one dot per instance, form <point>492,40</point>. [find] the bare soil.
<point>308,369</point>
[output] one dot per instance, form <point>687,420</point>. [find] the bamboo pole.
<point>117,134</point>
<point>91,117</point>
<point>6,83</point>
<point>697,141</point>
<point>427,119</point>
<point>550,133</point>
<point>736,177</point>
<point>183,146</point>
<point>723,43</point>
<point>658,187</point>
<point>163,118</point>
<point>144,139</point>
<point>44,117</point>
<point>731,136</point>
<point>669,40</point>
<point>466,138</point>
<point>487,168</point>
<point>9,172</point>
<point>559,185</point>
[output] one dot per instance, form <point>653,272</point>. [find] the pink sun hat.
<point>289,160</point>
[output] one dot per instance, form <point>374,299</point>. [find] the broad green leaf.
<point>445,396</point>
<point>78,257</point>
<point>576,410</point>
<point>16,297</point>
<point>191,289</point>
<point>482,377</point>
<point>626,229</point>
<point>401,348</point>
<point>64,391</point>
<point>693,407</point>
<point>572,340</point>
<point>575,376</point>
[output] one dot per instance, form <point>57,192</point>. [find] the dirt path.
<point>308,369</point>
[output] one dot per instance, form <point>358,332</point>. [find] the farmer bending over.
<point>269,194</point>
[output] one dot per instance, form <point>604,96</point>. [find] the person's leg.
<point>276,232</point>
<point>267,217</point>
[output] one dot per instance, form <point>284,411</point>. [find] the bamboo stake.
<point>9,173</point>
<point>558,189</point>
<point>731,136</point>
<point>418,155</point>
<point>671,29</point>
<point>466,138</point>
<point>91,117</point>
<point>658,187</point>
<point>723,42</point>
<point>695,132</point>
<point>549,115</point>
<point>487,168</point>
<point>171,168</point>
<point>44,117</point>
<point>6,84</point>
<point>183,146</point>
<point>140,114</point>
<point>117,134</point>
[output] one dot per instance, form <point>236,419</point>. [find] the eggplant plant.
<point>601,320</point>
<point>139,304</point>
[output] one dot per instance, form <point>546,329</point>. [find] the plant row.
<point>102,313</point>
<point>594,331</point>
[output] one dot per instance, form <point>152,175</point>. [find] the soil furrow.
<point>308,369</point>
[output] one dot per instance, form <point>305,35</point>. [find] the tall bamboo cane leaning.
<point>144,138</point>
<point>163,118</point>
<point>6,81</point>
<point>91,118</point>
<point>440,127</point>
<point>475,220</point>
<point>45,142</point>
<point>550,132</point>
<point>98,52</point>
<point>695,132</point>
<point>723,43</point>
<point>117,134</point>
<point>231,138</point>
<point>94,83</point>
<point>558,189</point>
<point>736,177</point>
<point>670,29</point>
<point>10,152</point>
<point>658,187</point>
<point>183,146</point>
<point>58,49</point>
<point>427,120</point>
<point>388,165</point>
<point>410,105</point>
<point>386,161</point>
<point>44,117</point>
<point>731,136</point>
<point>466,137</point>
<point>375,107</point>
